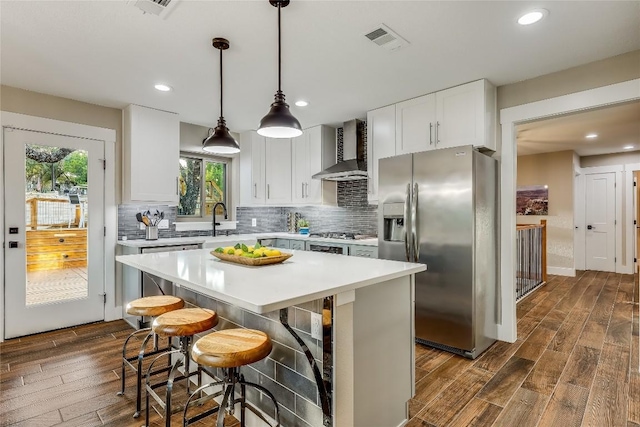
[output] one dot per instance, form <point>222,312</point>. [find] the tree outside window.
<point>198,183</point>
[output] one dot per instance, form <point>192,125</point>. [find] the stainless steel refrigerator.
<point>439,208</point>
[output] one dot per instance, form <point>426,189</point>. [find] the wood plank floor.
<point>575,363</point>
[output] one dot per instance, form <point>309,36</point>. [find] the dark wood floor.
<point>576,362</point>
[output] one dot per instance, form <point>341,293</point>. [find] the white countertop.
<point>140,243</point>
<point>304,277</point>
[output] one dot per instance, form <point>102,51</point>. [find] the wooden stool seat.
<point>154,306</point>
<point>231,348</point>
<point>185,322</point>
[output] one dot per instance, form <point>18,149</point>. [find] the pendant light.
<point>220,140</point>
<point>279,122</point>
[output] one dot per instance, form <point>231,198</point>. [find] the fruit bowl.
<point>251,261</point>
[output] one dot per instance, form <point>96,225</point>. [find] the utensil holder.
<point>152,232</point>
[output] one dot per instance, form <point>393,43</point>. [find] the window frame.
<point>203,170</point>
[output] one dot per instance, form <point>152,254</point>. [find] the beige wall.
<point>605,72</point>
<point>53,107</point>
<point>556,171</point>
<point>610,159</point>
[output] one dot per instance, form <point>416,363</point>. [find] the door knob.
<point>590,227</point>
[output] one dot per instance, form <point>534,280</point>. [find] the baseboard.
<point>561,271</point>
<point>404,423</point>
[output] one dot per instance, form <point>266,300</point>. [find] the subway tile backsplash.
<point>352,215</point>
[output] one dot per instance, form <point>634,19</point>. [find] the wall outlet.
<point>163,225</point>
<point>254,222</point>
<point>316,326</point>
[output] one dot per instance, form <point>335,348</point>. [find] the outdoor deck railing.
<point>531,257</point>
<point>52,211</point>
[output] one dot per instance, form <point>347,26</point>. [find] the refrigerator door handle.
<point>407,202</point>
<point>414,224</point>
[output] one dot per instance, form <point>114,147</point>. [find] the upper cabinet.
<point>462,115</point>
<point>466,116</point>
<point>151,154</point>
<point>278,171</point>
<point>415,122</point>
<point>312,152</point>
<point>277,161</point>
<point>381,143</point>
<point>252,170</point>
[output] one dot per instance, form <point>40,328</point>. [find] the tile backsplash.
<point>352,215</point>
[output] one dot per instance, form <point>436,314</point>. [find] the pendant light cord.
<point>221,115</point>
<point>279,52</point>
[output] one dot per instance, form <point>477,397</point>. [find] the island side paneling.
<point>286,372</point>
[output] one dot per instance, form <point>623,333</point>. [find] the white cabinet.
<point>297,245</point>
<point>466,115</point>
<point>277,162</point>
<point>462,115</point>
<point>151,154</point>
<point>363,251</point>
<point>312,152</point>
<point>252,169</point>
<point>415,122</point>
<point>381,143</point>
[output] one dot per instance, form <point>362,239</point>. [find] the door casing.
<point>113,307</point>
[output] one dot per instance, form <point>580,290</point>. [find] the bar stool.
<point>184,324</point>
<point>147,306</point>
<point>229,350</point>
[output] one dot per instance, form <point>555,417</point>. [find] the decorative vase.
<point>304,230</point>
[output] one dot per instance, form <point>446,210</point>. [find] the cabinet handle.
<point>430,135</point>
<point>268,192</point>
<point>302,185</point>
<point>177,186</point>
<point>307,189</point>
<point>255,190</point>
<point>437,133</point>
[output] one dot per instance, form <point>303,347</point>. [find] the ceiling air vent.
<point>385,37</point>
<point>161,8</point>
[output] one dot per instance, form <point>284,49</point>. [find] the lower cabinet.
<point>282,244</point>
<point>297,245</point>
<point>364,251</point>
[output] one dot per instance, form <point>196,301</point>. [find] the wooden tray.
<point>252,261</point>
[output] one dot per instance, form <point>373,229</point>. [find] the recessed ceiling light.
<point>533,16</point>
<point>302,103</point>
<point>591,135</point>
<point>162,87</point>
<point>628,147</point>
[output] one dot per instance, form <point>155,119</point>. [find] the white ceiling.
<point>616,127</point>
<point>108,53</point>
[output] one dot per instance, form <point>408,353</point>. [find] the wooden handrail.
<point>33,207</point>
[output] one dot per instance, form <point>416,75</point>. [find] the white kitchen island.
<point>370,319</point>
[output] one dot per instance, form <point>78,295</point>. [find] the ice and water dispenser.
<point>394,224</point>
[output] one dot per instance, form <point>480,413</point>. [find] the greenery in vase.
<point>303,223</point>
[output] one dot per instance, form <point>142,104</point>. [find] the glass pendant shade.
<point>220,141</point>
<point>279,122</point>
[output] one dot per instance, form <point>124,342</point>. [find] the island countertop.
<point>304,277</point>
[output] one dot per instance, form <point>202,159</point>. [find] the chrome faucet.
<point>214,216</point>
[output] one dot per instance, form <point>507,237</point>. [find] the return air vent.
<point>385,37</point>
<point>161,8</point>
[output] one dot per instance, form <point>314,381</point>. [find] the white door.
<point>54,256</point>
<point>415,125</point>
<point>300,167</point>
<point>460,116</point>
<point>278,170</point>
<point>315,160</point>
<point>600,221</point>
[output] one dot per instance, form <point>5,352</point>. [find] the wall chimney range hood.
<point>353,167</point>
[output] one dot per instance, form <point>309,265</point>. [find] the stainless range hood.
<point>353,167</point>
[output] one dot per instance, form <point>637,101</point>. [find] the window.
<point>201,179</point>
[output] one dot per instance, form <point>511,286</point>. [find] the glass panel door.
<point>54,191</point>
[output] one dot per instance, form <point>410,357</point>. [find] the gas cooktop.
<point>342,236</point>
